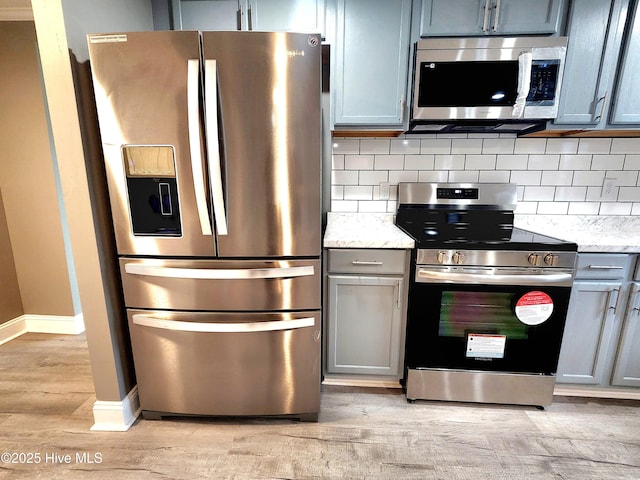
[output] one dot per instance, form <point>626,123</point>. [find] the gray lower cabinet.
<point>627,367</point>
<point>365,312</point>
<point>601,343</point>
<point>588,332</point>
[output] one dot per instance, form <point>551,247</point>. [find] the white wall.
<point>596,176</point>
<point>82,17</point>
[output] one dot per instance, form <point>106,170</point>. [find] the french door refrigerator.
<point>211,143</point>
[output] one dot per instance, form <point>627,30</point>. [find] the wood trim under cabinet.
<point>366,133</point>
<point>584,133</point>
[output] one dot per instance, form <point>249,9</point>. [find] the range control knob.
<point>551,260</point>
<point>458,257</point>
<point>442,257</point>
<point>534,259</point>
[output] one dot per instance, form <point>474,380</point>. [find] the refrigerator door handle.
<point>213,144</point>
<point>195,143</point>
<point>177,325</point>
<point>219,274</point>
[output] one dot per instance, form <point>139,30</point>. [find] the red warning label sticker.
<point>534,308</point>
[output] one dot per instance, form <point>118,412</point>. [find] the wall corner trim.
<point>116,416</point>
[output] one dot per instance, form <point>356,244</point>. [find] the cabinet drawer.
<point>367,261</point>
<point>596,265</point>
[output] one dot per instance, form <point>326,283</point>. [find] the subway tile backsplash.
<point>585,176</point>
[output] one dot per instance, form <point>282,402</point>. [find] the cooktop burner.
<point>467,216</point>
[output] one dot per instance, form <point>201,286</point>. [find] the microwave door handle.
<point>213,144</point>
<point>524,83</point>
<point>195,143</point>
<point>223,327</point>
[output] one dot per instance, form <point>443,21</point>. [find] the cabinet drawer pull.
<point>366,262</point>
<point>605,267</point>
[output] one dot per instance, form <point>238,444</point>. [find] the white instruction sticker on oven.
<point>534,308</point>
<point>485,345</point>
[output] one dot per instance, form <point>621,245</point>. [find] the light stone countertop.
<point>364,230</point>
<point>592,233</point>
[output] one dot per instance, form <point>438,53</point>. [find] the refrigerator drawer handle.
<point>180,326</point>
<point>218,274</point>
<point>195,142</point>
<point>213,144</point>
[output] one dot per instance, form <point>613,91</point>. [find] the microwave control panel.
<point>544,80</point>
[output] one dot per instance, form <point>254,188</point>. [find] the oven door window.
<point>511,329</point>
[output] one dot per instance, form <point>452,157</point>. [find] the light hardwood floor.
<point>46,396</point>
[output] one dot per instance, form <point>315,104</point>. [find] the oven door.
<point>486,325</point>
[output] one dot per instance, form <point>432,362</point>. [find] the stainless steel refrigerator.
<point>212,152</point>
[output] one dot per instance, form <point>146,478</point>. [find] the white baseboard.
<point>65,325</point>
<point>12,329</point>
<point>30,323</point>
<point>597,392</point>
<point>116,416</point>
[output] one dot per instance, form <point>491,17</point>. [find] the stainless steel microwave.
<point>511,79</point>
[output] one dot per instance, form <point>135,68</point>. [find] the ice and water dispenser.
<point>152,189</point>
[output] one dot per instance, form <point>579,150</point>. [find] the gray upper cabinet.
<point>288,15</point>
<point>604,39</point>
<point>595,31</point>
<point>371,62</point>
<point>626,106</point>
<point>261,15</point>
<point>490,17</point>
<point>208,15</point>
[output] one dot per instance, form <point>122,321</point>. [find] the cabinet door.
<point>594,30</point>
<point>365,322</point>
<point>209,15</point>
<point>626,108</point>
<point>525,17</point>
<point>287,15</point>
<point>453,17</point>
<point>481,17</point>
<point>588,332</point>
<point>627,370</point>
<point>371,62</point>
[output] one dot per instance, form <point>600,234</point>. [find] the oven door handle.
<point>494,279</point>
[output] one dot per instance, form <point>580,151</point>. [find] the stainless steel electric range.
<point>487,301</point>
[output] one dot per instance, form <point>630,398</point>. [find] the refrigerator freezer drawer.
<point>201,363</point>
<point>221,284</point>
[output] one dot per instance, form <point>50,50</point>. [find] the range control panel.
<point>457,193</point>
